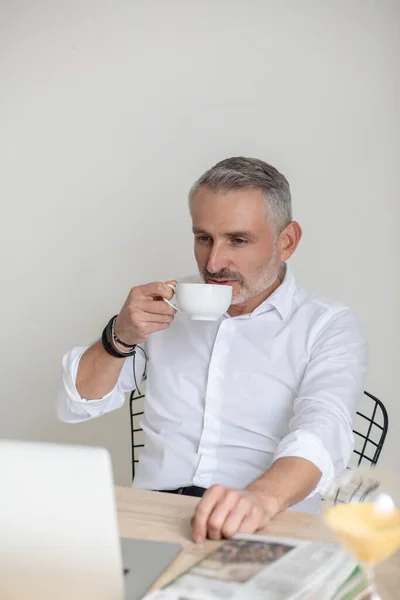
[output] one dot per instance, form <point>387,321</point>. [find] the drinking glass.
<point>362,508</point>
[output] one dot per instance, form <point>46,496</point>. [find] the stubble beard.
<point>248,288</point>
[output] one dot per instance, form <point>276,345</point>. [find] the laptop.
<point>59,530</point>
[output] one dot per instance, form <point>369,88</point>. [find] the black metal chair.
<point>137,435</point>
<point>372,426</point>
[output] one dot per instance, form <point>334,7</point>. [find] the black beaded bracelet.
<point>117,340</point>
<point>106,340</point>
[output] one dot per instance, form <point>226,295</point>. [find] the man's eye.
<point>203,239</point>
<point>239,242</point>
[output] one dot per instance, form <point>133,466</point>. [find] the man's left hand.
<point>224,512</point>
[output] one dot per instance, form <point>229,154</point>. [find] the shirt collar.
<point>282,298</point>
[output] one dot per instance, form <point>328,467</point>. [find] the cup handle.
<point>167,301</point>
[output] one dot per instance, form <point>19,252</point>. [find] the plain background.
<point>110,110</point>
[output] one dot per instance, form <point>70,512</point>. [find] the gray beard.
<point>264,281</point>
<point>250,293</point>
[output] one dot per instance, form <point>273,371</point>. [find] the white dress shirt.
<point>226,398</point>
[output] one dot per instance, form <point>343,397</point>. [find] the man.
<point>255,408</point>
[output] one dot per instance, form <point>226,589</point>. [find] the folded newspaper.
<point>268,568</point>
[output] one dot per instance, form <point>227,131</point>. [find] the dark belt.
<point>192,490</point>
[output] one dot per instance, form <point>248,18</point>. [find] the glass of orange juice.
<point>363,510</point>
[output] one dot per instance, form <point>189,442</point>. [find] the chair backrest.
<point>136,402</point>
<point>370,430</point>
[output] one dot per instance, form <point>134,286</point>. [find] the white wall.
<point>110,110</point>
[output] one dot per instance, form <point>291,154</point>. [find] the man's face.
<point>234,241</point>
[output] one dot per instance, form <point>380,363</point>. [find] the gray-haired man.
<point>255,408</point>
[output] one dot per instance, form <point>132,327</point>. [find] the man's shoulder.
<point>322,304</point>
<point>332,323</point>
<point>325,311</point>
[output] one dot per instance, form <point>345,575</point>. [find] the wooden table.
<point>166,517</point>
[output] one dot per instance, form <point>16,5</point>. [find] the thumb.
<point>172,283</point>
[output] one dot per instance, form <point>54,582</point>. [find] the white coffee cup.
<point>202,301</point>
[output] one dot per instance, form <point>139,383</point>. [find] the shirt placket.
<point>210,436</point>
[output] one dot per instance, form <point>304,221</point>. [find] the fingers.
<point>203,511</point>
<point>252,522</point>
<point>156,307</point>
<point>155,317</point>
<point>149,298</point>
<point>155,290</point>
<point>144,312</point>
<point>235,518</point>
<point>172,283</point>
<point>133,325</point>
<point>224,512</point>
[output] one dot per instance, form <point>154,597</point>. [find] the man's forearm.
<point>224,512</point>
<point>98,372</point>
<point>288,481</point>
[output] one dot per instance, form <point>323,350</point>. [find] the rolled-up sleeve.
<point>72,408</point>
<point>321,429</point>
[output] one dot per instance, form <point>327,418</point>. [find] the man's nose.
<point>217,260</point>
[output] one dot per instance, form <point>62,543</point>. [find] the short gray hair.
<point>241,173</point>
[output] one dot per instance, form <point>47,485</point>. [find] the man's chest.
<point>246,371</point>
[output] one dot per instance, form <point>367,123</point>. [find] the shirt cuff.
<point>76,404</point>
<point>304,444</point>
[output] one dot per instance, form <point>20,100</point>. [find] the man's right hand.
<point>145,312</point>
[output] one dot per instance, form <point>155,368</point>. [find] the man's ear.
<point>289,240</point>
